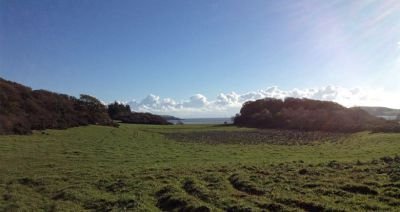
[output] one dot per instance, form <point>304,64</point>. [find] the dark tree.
<point>117,109</point>
<point>308,115</point>
<point>121,112</point>
<point>23,109</point>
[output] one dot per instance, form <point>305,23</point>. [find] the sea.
<point>203,121</point>
<point>389,117</point>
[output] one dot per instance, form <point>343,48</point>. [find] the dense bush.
<point>118,111</point>
<point>309,115</point>
<point>143,118</point>
<point>23,109</point>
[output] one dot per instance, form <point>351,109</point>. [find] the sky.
<point>204,58</point>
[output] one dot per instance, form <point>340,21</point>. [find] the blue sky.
<point>124,50</point>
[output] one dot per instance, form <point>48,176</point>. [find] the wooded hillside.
<point>23,109</point>
<point>309,115</point>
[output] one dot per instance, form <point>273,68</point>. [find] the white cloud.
<point>229,99</point>
<point>228,104</point>
<point>196,101</point>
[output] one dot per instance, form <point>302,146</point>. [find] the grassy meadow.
<point>198,168</point>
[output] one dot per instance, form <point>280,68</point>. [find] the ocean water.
<point>389,117</point>
<point>203,121</point>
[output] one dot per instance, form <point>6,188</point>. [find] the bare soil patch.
<point>270,136</point>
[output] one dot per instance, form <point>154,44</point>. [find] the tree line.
<point>309,115</point>
<point>23,110</point>
<point>122,112</point>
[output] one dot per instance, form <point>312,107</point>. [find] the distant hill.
<point>381,111</point>
<point>309,115</point>
<point>23,109</point>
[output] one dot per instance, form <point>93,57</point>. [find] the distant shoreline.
<point>203,121</point>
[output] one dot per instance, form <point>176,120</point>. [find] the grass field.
<point>198,168</point>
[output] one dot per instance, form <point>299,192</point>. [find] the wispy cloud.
<point>228,104</point>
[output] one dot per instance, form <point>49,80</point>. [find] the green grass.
<point>136,167</point>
